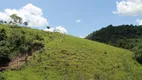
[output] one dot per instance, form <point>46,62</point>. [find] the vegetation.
<point>16,19</point>
<point>66,57</point>
<point>13,44</point>
<point>123,36</point>
<point>48,27</point>
<point>26,23</point>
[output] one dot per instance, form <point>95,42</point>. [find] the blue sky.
<point>94,14</point>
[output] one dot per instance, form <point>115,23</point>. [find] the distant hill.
<point>64,57</point>
<point>123,36</point>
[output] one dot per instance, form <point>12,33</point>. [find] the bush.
<point>18,43</point>
<point>2,77</point>
<point>138,56</point>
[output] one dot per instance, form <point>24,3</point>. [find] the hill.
<point>64,57</point>
<point>123,36</point>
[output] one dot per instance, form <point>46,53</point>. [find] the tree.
<point>17,19</point>
<point>10,22</point>
<point>1,21</point>
<point>26,23</point>
<point>5,22</point>
<point>3,34</point>
<point>48,27</point>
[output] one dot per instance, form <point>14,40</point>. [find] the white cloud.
<point>139,21</point>
<point>29,13</point>
<point>78,21</point>
<point>49,30</point>
<point>59,29</point>
<point>129,7</point>
<point>81,37</point>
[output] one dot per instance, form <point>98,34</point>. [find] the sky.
<point>74,17</point>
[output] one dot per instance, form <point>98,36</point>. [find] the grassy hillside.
<point>66,57</point>
<point>123,36</point>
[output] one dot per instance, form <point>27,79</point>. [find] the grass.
<point>65,57</point>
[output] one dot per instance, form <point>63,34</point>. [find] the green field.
<point>66,57</point>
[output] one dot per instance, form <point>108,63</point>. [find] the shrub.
<point>2,77</point>
<point>18,43</point>
<point>138,56</point>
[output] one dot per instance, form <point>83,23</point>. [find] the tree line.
<point>15,20</point>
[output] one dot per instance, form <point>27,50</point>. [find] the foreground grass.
<point>66,57</point>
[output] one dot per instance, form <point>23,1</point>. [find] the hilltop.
<point>64,57</point>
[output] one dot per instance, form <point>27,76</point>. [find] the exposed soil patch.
<point>19,60</point>
<point>15,63</point>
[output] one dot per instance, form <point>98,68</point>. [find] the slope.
<point>123,36</point>
<point>65,57</point>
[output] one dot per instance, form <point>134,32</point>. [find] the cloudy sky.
<point>75,17</point>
